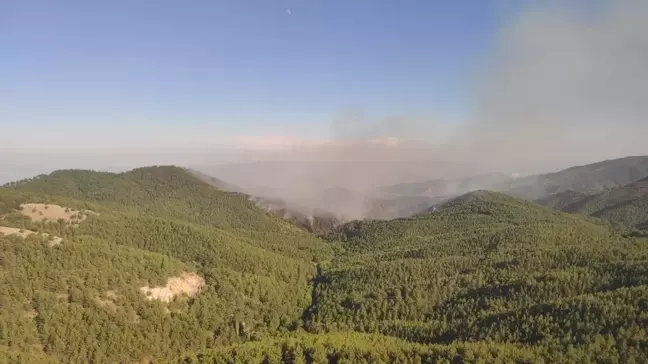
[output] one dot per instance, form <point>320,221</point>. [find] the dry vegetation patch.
<point>23,233</point>
<point>15,231</point>
<point>47,212</point>
<point>31,314</point>
<point>187,283</point>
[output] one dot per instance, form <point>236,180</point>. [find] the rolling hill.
<point>145,228</point>
<point>157,265</point>
<point>485,266</point>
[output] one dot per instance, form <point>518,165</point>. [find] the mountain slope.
<point>65,301</point>
<point>317,221</point>
<point>589,178</point>
<point>215,182</point>
<point>484,276</point>
<point>558,201</point>
<point>314,220</point>
<point>164,191</point>
<point>256,276</point>
<point>481,259</point>
<point>625,206</point>
<point>404,199</point>
<point>169,192</point>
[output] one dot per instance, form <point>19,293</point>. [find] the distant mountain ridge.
<point>625,206</point>
<point>445,187</point>
<point>161,265</point>
<point>590,178</point>
<point>569,185</point>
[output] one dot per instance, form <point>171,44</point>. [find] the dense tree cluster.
<point>164,191</point>
<point>486,267</point>
<point>347,347</point>
<point>257,275</point>
<point>485,278</point>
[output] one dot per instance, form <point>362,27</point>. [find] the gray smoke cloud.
<point>565,84</point>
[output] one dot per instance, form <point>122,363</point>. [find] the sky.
<point>497,79</point>
<point>234,68</point>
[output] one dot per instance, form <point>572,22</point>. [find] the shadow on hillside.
<point>617,205</point>
<point>578,205</point>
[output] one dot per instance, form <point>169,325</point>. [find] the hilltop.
<point>164,191</point>
<point>160,261</point>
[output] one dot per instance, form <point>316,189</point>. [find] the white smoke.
<point>566,83</point>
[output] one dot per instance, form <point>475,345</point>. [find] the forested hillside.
<point>164,191</point>
<point>160,224</point>
<point>626,206</point>
<point>590,178</point>
<point>550,189</point>
<point>488,267</point>
<point>156,265</point>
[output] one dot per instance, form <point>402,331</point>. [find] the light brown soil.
<point>187,283</point>
<point>14,231</point>
<point>55,240</point>
<point>30,314</point>
<point>40,212</point>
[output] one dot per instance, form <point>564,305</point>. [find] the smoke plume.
<point>565,84</point>
<point>561,85</point>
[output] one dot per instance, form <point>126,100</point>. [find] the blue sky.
<point>506,82</point>
<point>284,67</point>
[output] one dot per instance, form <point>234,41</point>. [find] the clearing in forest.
<point>41,211</point>
<point>53,240</point>
<point>187,283</point>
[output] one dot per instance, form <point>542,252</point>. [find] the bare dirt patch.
<point>53,240</point>
<point>47,212</point>
<point>109,301</point>
<point>187,283</point>
<point>14,231</point>
<point>31,314</point>
<point>109,304</point>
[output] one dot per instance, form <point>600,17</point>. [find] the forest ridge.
<point>158,265</point>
